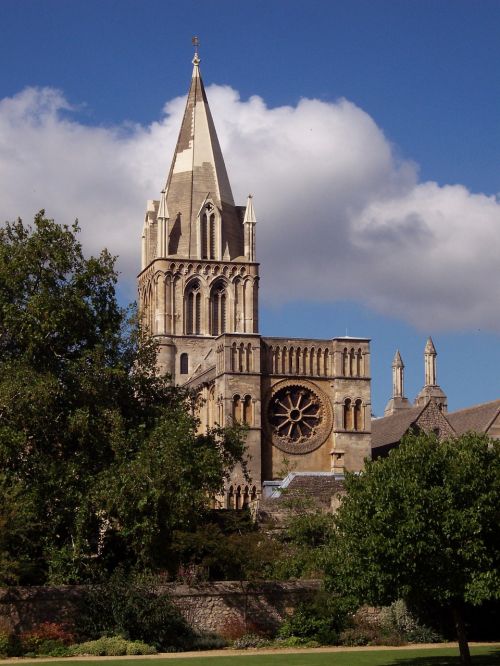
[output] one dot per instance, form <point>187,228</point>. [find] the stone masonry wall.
<point>227,608</point>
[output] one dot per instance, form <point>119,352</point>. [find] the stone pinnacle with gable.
<point>431,390</point>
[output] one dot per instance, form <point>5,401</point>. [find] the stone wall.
<point>227,608</point>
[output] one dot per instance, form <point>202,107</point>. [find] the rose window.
<point>299,419</point>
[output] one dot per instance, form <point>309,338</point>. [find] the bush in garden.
<point>318,620</point>
<point>47,638</point>
<point>399,619</point>
<point>206,641</point>
<point>9,644</point>
<point>112,646</point>
<point>250,641</point>
<point>132,608</point>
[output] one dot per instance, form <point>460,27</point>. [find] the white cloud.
<point>339,215</point>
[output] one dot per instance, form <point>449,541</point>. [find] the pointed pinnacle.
<point>429,346</point>
<point>397,361</point>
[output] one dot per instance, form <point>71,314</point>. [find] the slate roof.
<point>390,429</point>
<point>477,418</point>
<point>320,488</point>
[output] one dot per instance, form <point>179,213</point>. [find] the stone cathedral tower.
<point>304,400</point>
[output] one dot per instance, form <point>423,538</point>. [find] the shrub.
<point>319,620</point>
<point>9,644</point>
<point>357,636</point>
<point>47,638</point>
<point>399,619</point>
<point>296,641</point>
<point>250,641</point>
<point>206,641</point>
<point>132,608</point>
<point>112,646</point>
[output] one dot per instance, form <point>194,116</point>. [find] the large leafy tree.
<point>99,456</point>
<point>424,525</point>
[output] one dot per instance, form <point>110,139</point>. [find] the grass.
<point>482,656</point>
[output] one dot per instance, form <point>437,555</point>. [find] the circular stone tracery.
<point>299,417</point>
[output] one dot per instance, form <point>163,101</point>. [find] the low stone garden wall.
<point>222,607</point>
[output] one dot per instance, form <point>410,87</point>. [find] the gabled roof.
<point>390,429</point>
<point>477,418</point>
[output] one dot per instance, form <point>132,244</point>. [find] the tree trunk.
<point>463,644</point>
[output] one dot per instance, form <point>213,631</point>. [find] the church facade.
<point>307,403</point>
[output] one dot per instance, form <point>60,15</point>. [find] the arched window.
<point>246,498</point>
<point>184,362</point>
<point>241,353</point>
<point>352,360</point>
<point>359,363</point>
<point>348,421</point>
<point>237,498</point>
<point>193,308</point>
<point>218,302</point>
<point>247,410</point>
<point>237,409</point>
<point>358,415</point>
<point>249,358</point>
<point>253,495</point>
<point>234,357</point>
<point>345,361</point>
<point>212,236</point>
<point>204,236</point>
<point>325,362</point>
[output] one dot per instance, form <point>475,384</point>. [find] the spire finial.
<point>196,42</point>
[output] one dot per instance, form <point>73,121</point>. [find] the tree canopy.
<point>99,455</point>
<point>423,525</point>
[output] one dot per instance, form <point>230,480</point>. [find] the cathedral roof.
<point>198,173</point>
<point>390,429</point>
<point>477,418</point>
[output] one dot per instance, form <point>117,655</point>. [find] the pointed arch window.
<point>208,222</point>
<point>204,236</point>
<point>193,308</point>
<point>218,309</point>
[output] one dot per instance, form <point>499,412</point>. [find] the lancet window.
<point>208,232</point>
<point>218,309</point>
<point>193,308</point>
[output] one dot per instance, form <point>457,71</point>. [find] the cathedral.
<point>306,403</point>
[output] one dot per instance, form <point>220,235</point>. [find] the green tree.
<point>423,525</point>
<point>102,452</point>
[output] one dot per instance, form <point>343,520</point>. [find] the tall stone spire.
<point>398,400</point>
<point>431,388</point>
<point>198,178</point>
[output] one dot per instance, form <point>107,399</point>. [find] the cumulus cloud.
<point>340,216</point>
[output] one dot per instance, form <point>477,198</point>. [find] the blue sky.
<point>424,74</point>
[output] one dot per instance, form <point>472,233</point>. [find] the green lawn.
<point>482,656</point>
